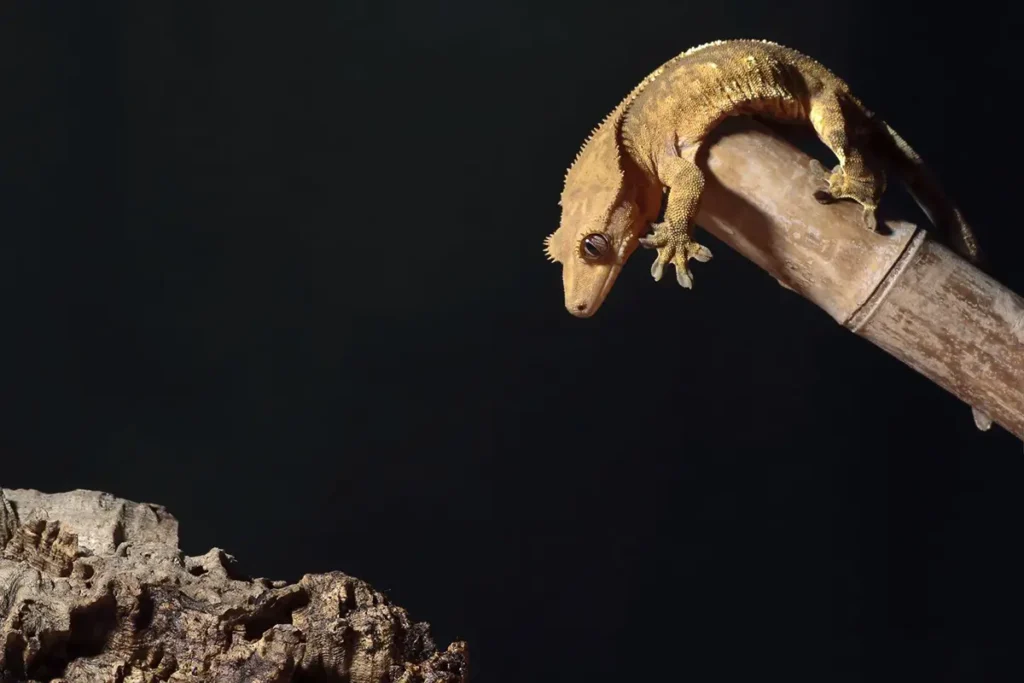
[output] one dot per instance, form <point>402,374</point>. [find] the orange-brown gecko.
<point>638,164</point>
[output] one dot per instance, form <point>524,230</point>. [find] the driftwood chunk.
<point>94,588</point>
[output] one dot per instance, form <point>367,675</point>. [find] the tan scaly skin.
<point>638,164</point>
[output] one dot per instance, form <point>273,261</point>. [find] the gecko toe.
<point>684,278</point>
<point>824,197</point>
<point>653,241</point>
<point>698,252</point>
<point>666,254</point>
<point>870,221</point>
<point>692,250</point>
<point>981,420</point>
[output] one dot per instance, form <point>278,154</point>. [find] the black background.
<point>278,267</point>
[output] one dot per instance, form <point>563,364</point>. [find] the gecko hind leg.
<point>843,127</point>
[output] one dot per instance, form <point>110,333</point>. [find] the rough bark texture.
<point>93,588</point>
<point>899,289</point>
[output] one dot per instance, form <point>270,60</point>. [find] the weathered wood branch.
<point>94,589</point>
<point>903,291</point>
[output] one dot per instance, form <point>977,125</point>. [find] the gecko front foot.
<point>677,248</point>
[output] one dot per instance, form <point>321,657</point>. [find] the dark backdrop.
<point>278,267</point>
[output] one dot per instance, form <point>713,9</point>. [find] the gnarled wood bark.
<point>903,291</point>
<point>95,589</point>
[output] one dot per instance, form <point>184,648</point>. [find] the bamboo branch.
<point>903,291</point>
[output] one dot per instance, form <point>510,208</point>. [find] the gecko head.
<point>601,221</point>
<point>597,234</point>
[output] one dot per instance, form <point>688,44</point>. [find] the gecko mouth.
<point>613,273</point>
<point>584,310</point>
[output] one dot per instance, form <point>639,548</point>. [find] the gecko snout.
<point>581,309</point>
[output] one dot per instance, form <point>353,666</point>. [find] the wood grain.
<point>902,290</point>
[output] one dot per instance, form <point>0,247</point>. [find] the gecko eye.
<point>595,246</point>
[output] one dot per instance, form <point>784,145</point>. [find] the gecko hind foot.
<point>676,249</point>
<point>841,185</point>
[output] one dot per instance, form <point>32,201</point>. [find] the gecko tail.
<point>927,192</point>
